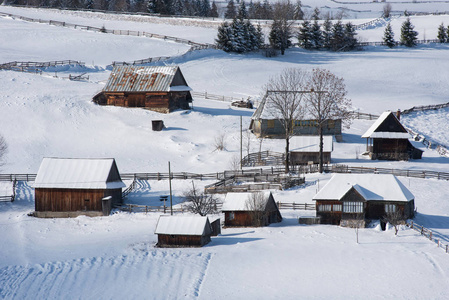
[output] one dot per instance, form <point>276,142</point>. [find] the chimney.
<point>398,114</point>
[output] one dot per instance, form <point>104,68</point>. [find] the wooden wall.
<point>302,158</point>
<point>167,240</point>
<point>61,200</point>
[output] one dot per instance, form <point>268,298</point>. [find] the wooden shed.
<point>183,231</point>
<point>264,123</point>
<point>250,209</point>
<point>388,139</point>
<point>362,197</point>
<point>162,89</point>
<point>68,187</point>
<point>306,149</point>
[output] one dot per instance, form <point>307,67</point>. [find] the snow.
<point>374,187</point>
<point>114,257</point>
<point>182,225</point>
<point>76,174</point>
<point>239,201</point>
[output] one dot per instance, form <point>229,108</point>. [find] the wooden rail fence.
<point>296,206</point>
<point>428,234</point>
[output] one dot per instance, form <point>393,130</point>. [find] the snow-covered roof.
<point>372,133</point>
<point>146,79</point>
<point>380,187</point>
<point>78,173</point>
<point>310,143</point>
<point>239,201</point>
<point>183,225</point>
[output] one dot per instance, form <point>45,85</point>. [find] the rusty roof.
<point>142,79</point>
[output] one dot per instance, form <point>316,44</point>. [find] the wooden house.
<point>265,123</point>
<point>66,187</point>
<point>161,89</point>
<point>388,139</point>
<point>183,231</point>
<point>250,209</point>
<point>306,149</point>
<point>362,197</point>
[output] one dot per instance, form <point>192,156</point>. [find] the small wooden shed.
<point>158,88</point>
<point>306,149</point>
<point>264,123</point>
<point>183,231</point>
<point>68,187</point>
<point>250,209</point>
<point>362,196</point>
<point>388,139</point>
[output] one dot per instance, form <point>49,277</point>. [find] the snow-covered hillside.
<point>114,257</point>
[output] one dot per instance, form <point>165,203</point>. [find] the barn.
<point>387,139</point>
<point>306,149</point>
<point>362,196</point>
<point>250,209</point>
<point>183,231</point>
<point>265,124</point>
<point>158,88</point>
<point>68,187</point>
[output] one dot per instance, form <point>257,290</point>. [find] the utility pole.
<point>169,183</point>
<point>241,144</point>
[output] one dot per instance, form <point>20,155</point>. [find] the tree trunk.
<point>287,156</point>
<point>321,148</point>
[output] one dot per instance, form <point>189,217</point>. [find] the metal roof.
<point>373,187</point>
<point>144,79</point>
<point>183,225</point>
<point>77,173</point>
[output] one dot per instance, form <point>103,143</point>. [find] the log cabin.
<point>265,123</point>
<point>161,89</point>
<point>250,209</point>
<point>387,139</point>
<point>183,231</point>
<point>306,149</point>
<point>68,187</point>
<point>362,197</point>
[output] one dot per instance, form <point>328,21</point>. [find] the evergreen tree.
<point>327,34</point>
<point>214,10</point>
<point>280,35</point>
<point>316,14</point>
<point>408,35</point>
<point>242,14</point>
<point>442,34</point>
<point>239,36</point>
<point>89,4</point>
<point>204,8</point>
<point>230,10</point>
<point>350,37</point>
<point>317,35</point>
<point>267,11</point>
<point>338,37</point>
<point>298,14</point>
<point>389,37</point>
<point>224,37</point>
<point>305,35</point>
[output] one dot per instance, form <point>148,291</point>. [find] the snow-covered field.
<point>114,257</point>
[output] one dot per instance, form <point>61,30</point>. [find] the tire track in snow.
<point>153,274</point>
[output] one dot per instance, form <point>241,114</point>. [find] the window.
<point>231,216</point>
<point>390,208</point>
<point>270,123</point>
<point>337,207</point>
<point>325,207</point>
<point>352,207</point>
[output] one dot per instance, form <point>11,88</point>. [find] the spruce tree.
<point>442,34</point>
<point>389,37</point>
<point>242,14</point>
<point>316,14</point>
<point>224,37</point>
<point>350,37</point>
<point>338,37</point>
<point>316,35</point>
<point>205,8</point>
<point>230,10</point>
<point>280,35</point>
<point>305,35</point>
<point>327,34</point>
<point>408,35</point>
<point>298,14</point>
<point>213,10</point>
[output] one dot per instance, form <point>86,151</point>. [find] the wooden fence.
<point>428,234</point>
<point>424,108</point>
<point>296,206</point>
<point>24,65</point>
<point>7,198</point>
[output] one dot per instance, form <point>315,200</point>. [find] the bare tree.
<point>199,202</point>
<point>220,142</point>
<point>387,10</point>
<point>284,101</point>
<point>256,205</point>
<point>3,150</point>
<point>327,101</point>
<point>247,141</point>
<point>395,218</point>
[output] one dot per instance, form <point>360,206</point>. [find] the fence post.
<point>446,248</point>
<point>411,226</point>
<point>293,205</point>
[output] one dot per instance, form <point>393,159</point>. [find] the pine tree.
<point>316,14</point>
<point>214,10</point>
<point>327,34</point>
<point>408,34</point>
<point>298,14</point>
<point>338,37</point>
<point>267,11</point>
<point>224,37</point>
<point>242,14</point>
<point>389,37</point>
<point>442,34</point>
<point>350,37</point>
<point>305,35</point>
<point>317,35</point>
<point>204,9</point>
<point>239,36</point>
<point>280,35</point>
<point>230,10</point>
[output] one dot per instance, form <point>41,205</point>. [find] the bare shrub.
<point>220,142</point>
<point>256,205</point>
<point>3,150</point>
<point>200,203</point>
<point>395,219</point>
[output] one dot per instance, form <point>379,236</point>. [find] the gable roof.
<point>146,79</point>
<point>376,130</point>
<point>78,173</point>
<point>238,201</point>
<point>310,143</point>
<point>373,187</point>
<point>183,225</point>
